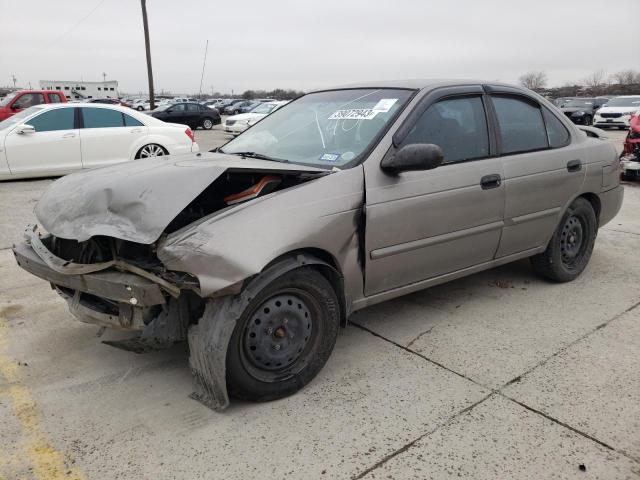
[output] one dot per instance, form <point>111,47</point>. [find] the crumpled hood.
<point>136,201</point>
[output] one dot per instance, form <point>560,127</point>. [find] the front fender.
<point>227,248</point>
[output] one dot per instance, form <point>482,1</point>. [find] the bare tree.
<point>533,80</point>
<point>596,79</point>
<point>625,77</point>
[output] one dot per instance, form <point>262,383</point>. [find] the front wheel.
<point>284,337</point>
<point>570,248</point>
<point>587,120</point>
<point>207,124</point>
<point>151,150</point>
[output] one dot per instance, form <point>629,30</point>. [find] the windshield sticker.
<point>354,114</point>
<point>385,104</point>
<point>329,157</point>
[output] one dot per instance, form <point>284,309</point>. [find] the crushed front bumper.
<point>112,298</point>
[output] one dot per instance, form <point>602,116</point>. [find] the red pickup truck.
<point>17,101</point>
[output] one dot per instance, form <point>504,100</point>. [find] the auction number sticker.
<point>385,104</point>
<point>354,114</point>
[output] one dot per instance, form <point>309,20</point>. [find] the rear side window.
<point>28,100</point>
<point>458,126</point>
<point>520,125</point>
<point>129,121</point>
<point>51,120</point>
<point>101,118</point>
<point>556,131</point>
<point>53,98</point>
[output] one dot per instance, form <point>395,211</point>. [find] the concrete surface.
<point>498,375</point>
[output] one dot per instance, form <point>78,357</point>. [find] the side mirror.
<point>417,156</point>
<point>24,129</point>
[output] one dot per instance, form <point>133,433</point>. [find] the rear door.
<point>108,136</point>
<point>54,148</point>
<point>193,112</point>
<point>543,171</point>
<point>421,225</point>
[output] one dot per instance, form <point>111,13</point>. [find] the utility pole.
<point>104,77</point>
<point>152,100</point>
<point>13,77</point>
<point>204,62</point>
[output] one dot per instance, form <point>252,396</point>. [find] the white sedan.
<point>239,123</point>
<point>56,139</point>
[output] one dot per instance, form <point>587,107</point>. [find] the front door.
<point>421,225</point>
<point>54,148</point>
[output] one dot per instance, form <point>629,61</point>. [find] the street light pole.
<point>152,101</point>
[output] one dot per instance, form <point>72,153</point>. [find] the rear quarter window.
<point>556,132</point>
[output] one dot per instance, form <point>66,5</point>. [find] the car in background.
<point>617,112</point>
<point>140,104</point>
<point>17,101</point>
<point>224,103</point>
<point>250,107</point>
<point>235,108</point>
<point>188,113</point>
<point>560,101</point>
<point>630,157</point>
<point>581,110</point>
<point>183,100</point>
<point>108,101</point>
<point>49,140</point>
<point>239,123</point>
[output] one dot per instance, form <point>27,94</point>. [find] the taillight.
<point>190,134</point>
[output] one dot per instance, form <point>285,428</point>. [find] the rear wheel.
<point>569,250</point>
<point>151,150</point>
<point>207,124</point>
<point>587,120</point>
<point>284,337</point>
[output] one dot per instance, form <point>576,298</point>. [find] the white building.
<point>82,90</point>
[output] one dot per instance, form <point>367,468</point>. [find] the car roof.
<point>414,83</point>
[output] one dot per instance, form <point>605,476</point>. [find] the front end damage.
<point>106,258</point>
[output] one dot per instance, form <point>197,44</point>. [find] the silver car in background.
<point>344,198</point>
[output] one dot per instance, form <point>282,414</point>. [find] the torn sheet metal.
<point>136,201</point>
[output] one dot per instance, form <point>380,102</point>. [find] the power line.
<point>77,23</point>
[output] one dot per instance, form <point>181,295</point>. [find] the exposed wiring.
<point>77,23</point>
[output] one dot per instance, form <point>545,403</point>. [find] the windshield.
<point>265,108</point>
<point>579,103</point>
<point>624,102</point>
<point>5,101</point>
<point>324,129</point>
<point>18,117</point>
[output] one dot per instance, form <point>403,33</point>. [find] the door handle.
<point>574,166</point>
<point>69,135</point>
<point>136,130</point>
<point>490,181</point>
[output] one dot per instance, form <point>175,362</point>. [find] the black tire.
<point>587,120</point>
<point>207,123</point>
<point>622,128</point>
<point>570,248</point>
<point>256,370</point>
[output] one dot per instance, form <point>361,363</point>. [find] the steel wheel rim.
<point>572,241</point>
<point>278,335</point>
<point>151,151</point>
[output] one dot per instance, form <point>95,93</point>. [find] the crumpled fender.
<point>209,338</point>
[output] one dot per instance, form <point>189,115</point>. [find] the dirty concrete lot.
<point>498,375</point>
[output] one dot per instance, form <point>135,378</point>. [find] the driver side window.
<point>457,125</point>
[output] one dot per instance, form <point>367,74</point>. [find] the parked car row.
<point>237,124</point>
<point>602,112</point>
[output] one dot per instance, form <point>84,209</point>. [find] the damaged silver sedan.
<point>257,253</point>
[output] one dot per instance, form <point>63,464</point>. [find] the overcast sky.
<point>306,44</point>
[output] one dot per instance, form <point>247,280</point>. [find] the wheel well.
<point>329,268</point>
<point>166,152</point>
<point>594,200</point>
